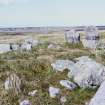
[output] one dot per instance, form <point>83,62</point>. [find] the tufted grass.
<point>38,74</point>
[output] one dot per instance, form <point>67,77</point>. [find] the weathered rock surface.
<point>61,65</point>
<point>87,72</point>
<point>99,98</point>
<point>72,37</point>
<point>68,84</point>
<point>13,83</point>
<point>54,92</point>
<point>91,37</point>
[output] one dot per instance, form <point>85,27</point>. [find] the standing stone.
<point>91,37</point>
<point>99,98</point>
<point>13,84</point>
<point>4,48</point>
<point>26,46</point>
<point>72,37</point>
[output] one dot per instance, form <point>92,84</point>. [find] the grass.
<point>38,74</point>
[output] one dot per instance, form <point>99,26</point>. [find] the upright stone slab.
<point>72,37</point>
<point>99,98</point>
<point>4,48</point>
<point>91,37</point>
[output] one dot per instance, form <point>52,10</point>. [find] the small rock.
<point>68,84</point>
<point>54,92</point>
<point>25,102</point>
<point>61,65</point>
<point>54,46</point>
<point>33,93</point>
<point>63,100</point>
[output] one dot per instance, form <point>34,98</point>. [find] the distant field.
<point>57,37</point>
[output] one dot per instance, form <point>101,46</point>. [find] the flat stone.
<point>68,84</point>
<point>54,92</point>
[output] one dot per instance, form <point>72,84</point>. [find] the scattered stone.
<point>63,100</point>
<point>33,93</point>
<point>33,42</point>
<point>26,46</point>
<point>99,98</point>
<point>61,65</point>
<point>54,47</point>
<point>68,84</point>
<point>72,37</point>
<point>13,83</point>
<point>14,47</point>
<point>4,48</point>
<point>86,72</point>
<point>25,102</point>
<point>54,92</point>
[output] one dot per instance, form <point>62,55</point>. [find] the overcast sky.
<point>51,12</point>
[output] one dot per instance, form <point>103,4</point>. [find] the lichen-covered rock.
<point>54,92</point>
<point>13,83</point>
<point>99,98</point>
<point>68,84</point>
<point>61,65</point>
<point>72,37</point>
<point>87,72</point>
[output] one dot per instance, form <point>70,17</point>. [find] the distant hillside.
<point>44,29</point>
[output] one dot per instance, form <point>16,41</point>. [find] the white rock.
<point>4,48</point>
<point>99,98</point>
<point>72,37</point>
<point>25,102</point>
<point>15,47</point>
<point>68,84</point>
<point>61,65</point>
<point>7,85</point>
<point>54,46</point>
<point>26,46</point>
<point>63,99</point>
<point>87,72</point>
<point>54,92</point>
<point>33,93</point>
